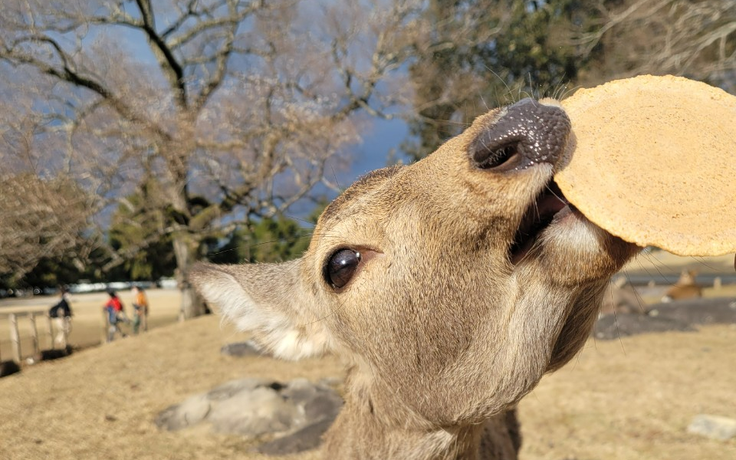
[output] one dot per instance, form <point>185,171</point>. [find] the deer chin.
<point>547,207</point>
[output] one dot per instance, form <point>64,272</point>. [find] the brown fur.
<point>443,334</point>
<point>685,288</point>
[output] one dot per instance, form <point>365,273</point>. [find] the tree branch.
<point>170,66</point>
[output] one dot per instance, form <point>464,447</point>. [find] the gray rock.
<point>8,368</point>
<point>297,412</point>
<point>230,389</point>
<point>240,349</point>
<point>612,327</point>
<point>681,315</point>
<point>307,438</point>
<point>713,426</point>
<point>716,310</point>
<point>326,404</point>
<point>300,391</point>
<point>255,413</point>
<point>190,412</point>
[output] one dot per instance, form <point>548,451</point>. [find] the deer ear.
<point>268,300</point>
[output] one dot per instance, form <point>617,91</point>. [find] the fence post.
<point>105,325</point>
<point>14,337</point>
<point>50,331</point>
<point>63,332</point>
<point>34,334</point>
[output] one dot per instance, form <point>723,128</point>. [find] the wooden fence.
<point>50,327</point>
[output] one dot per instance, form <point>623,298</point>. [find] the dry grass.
<point>630,399</point>
<point>101,402</point>
<point>633,399</point>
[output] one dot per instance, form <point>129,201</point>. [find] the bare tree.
<point>692,38</point>
<point>40,219</point>
<point>233,107</point>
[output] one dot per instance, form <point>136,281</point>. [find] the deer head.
<point>451,285</point>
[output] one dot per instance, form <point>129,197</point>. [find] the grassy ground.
<point>632,399</point>
<point>629,399</point>
<point>101,402</point>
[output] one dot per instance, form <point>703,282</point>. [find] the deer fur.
<point>445,323</point>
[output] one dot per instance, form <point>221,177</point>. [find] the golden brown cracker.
<point>653,161</point>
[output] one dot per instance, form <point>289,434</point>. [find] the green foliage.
<point>51,273</point>
<point>138,233</point>
<point>57,271</point>
<point>273,239</point>
<point>268,240</point>
<point>527,55</point>
<point>276,240</point>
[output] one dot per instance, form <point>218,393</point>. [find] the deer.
<point>686,287</point>
<point>449,287</point>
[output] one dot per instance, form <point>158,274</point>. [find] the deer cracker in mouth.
<point>654,162</point>
<point>449,287</point>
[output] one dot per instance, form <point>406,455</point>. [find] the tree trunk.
<point>185,251</point>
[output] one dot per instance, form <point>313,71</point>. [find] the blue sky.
<point>384,136</point>
<point>372,153</point>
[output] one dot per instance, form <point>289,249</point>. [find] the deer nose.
<point>526,133</point>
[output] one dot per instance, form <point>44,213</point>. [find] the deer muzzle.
<point>524,134</point>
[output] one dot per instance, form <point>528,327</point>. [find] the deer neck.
<point>359,433</point>
<point>373,425</point>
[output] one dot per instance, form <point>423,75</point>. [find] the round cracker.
<point>652,160</point>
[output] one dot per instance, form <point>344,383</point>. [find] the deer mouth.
<point>538,216</point>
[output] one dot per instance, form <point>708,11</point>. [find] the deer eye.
<point>341,267</point>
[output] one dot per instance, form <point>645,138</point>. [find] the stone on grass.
<point>307,438</point>
<point>255,413</point>
<point>233,387</point>
<point>240,349</point>
<point>613,327</point>
<point>190,412</point>
<point>681,315</point>
<point>713,426</point>
<point>716,310</point>
<point>8,368</point>
<point>296,413</point>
